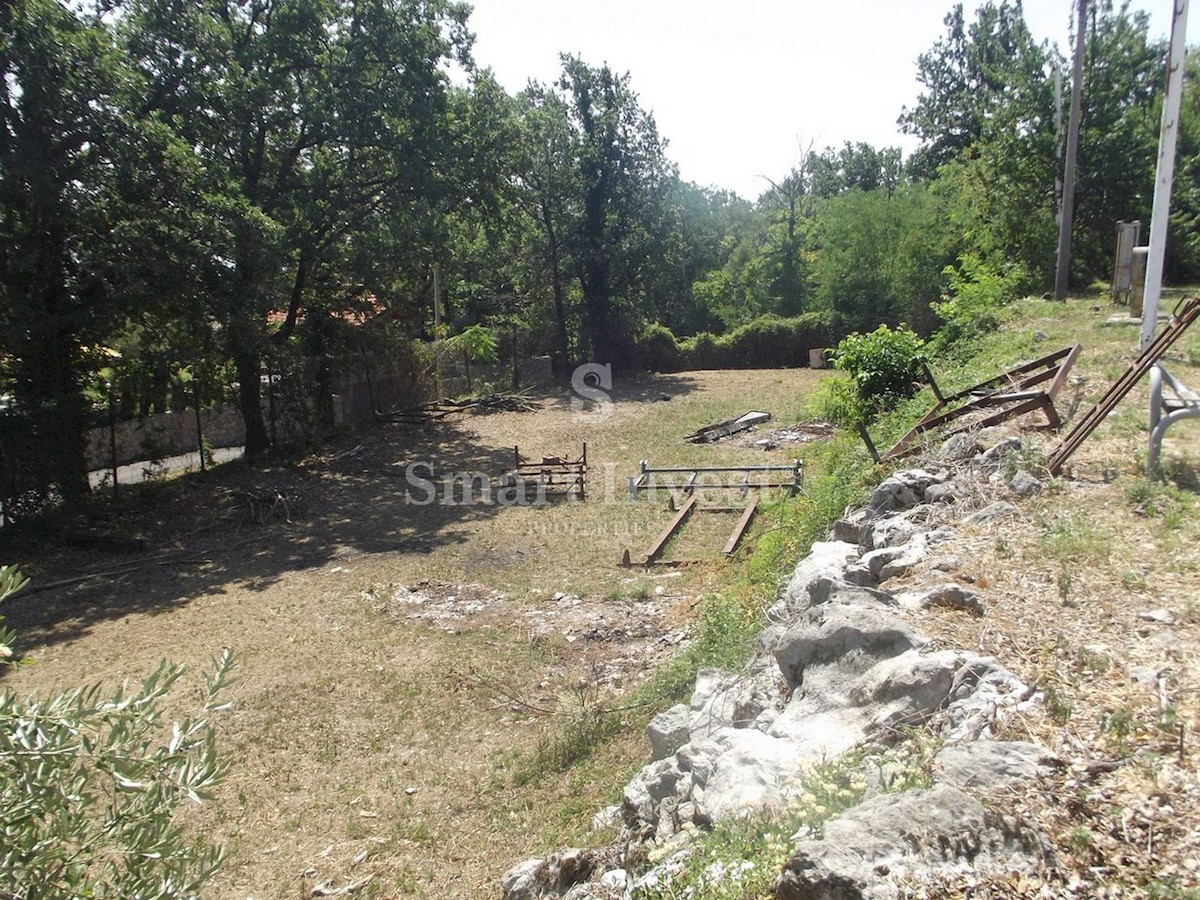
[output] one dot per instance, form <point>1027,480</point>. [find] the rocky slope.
<point>843,665</point>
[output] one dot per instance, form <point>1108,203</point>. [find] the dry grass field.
<point>405,668</point>
<point>400,665</point>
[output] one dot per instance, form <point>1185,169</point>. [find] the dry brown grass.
<point>363,742</point>
<point>1067,585</point>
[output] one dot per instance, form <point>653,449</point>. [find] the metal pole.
<point>1164,173</point>
<point>112,436</point>
<point>271,403</point>
<point>199,429</point>
<point>1067,207</point>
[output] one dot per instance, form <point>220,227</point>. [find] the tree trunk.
<point>48,379</point>
<point>556,281</point>
<point>248,364</point>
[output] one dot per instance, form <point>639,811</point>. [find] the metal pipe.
<point>689,469</point>
<point>1164,174</point>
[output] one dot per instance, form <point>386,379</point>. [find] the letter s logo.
<point>592,381</point>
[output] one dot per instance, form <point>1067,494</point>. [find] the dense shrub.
<point>975,304</point>
<point>885,364</point>
<point>657,350</point>
<point>767,342</point>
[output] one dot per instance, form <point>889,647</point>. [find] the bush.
<point>89,786</point>
<point>975,305</point>
<point>657,350</point>
<point>885,364</point>
<point>767,342</point>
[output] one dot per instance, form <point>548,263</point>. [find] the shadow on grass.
<point>245,524</point>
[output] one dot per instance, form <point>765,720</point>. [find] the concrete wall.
<point>354,403</point>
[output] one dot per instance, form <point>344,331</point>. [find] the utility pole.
<point>1067,208</point>
<point>1165,171</point>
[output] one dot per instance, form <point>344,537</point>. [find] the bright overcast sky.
<point>736,87</point>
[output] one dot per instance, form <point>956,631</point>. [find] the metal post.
<point>271,403</point>
<point>112,435</point>
<point>199,427</point>
<point>1164,173</point>
<point>1067,207</point>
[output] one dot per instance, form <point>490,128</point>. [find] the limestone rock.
<point>903,490</point>
<point>982,690</point>
<point>985,764</point>
<point>860,575</point>
<point>553,876</point>
<point>668,731</point>
<point>727,700</point>
<point>1024,485</point>
<point>890,532</point>
<point>874,561</point>
<point>994,512</point>
<point>750,771</point>
<point>918,833</point>
<point>849,528</point>
<point>826,559</point>
<point>849,628</point>
<point>959,448</point>
<point>941,493</point>
<point>992,458</point>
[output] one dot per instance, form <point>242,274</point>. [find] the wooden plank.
<point>738,530</point>
<point>676,521</point>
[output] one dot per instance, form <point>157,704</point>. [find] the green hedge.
<point>768,342</point>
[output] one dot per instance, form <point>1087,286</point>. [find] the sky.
<point>738,87</point>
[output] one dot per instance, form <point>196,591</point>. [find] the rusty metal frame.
<point>1011,393</point>
<point>1185,314</point>
<point>685,478</point>
<point>561,474</point>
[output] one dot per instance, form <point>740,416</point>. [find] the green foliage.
<point>975,304</point>
<point>767,342</point>
<point>881,254</point>
<point>657,350</point>
<point>582,722</point>
<point>837,400</point>
<point>91,784</point>
<point>11,581</point>
<point>885,364</point>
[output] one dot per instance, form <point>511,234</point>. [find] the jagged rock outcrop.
<point>840,663</point>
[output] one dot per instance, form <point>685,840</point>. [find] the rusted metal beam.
<point>1180,322</point>
<point>1011,390</point>
<point>659,542</point>
<point>740,528</point>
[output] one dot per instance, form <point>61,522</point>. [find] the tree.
<point>1118,140</point>
<point>968,76</point>
<point>789,203</point>
<point>309,117</point>
<point>71,158</point>
<point>880,256</point>
<point>623,173</point>
<point>90,785</point>
<point>549,176</point>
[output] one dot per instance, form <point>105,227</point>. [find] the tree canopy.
<point>203,198</point>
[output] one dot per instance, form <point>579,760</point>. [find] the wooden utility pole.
<point>1067,207</point>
